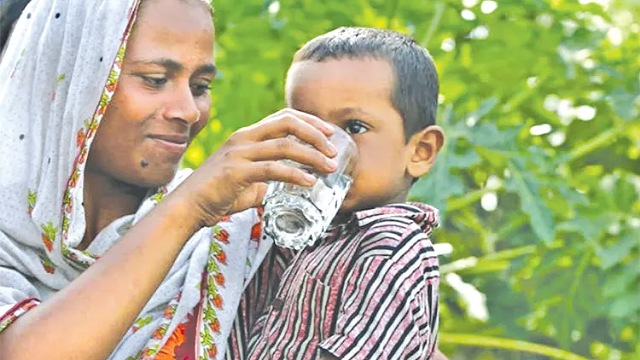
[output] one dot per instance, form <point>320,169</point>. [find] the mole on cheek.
<point>144,163</point>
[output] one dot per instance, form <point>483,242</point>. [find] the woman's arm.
<point>87,319</point>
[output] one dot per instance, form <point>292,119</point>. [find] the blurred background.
<point>539,180</point>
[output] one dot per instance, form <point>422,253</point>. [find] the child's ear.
<point>422,149</point>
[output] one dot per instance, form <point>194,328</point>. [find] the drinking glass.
<point>296,216</point>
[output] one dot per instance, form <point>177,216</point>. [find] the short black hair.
<point>415,91</point>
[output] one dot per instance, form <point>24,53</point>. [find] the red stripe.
<point>25,304</point>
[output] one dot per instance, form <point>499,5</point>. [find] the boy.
<point>369,288</point>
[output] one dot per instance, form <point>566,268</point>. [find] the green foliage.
<point>539,180</point>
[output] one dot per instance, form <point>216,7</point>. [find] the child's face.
<point>355,94</point>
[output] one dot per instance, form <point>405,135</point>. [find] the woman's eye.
<point>153,81</point>
<point>355,127</point>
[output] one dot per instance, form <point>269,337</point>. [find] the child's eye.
<point>200,88</point>
<point>355,127</point>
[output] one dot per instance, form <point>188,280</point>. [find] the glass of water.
<point>296,216</point>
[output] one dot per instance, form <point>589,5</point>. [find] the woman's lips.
<point>172,143</point>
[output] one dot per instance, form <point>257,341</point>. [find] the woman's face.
<point>162,100</point>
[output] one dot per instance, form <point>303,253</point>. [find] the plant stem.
<point>470,198</point>
<point>392,14</point>
<point>507,344</point>
<point>440,6</point>
<point>582,266</point>
<point>603,139</point>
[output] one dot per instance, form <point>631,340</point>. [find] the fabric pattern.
<point>57,77</point>
<point>257,297</point>
<point>368,290</point>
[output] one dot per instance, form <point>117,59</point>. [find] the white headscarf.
<point>57,77</point>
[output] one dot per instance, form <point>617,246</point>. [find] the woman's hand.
<point>234,178</point>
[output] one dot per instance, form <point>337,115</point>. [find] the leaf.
<point>487,135</point>
<point>625,278</point>
<point>462,161</point>
<point>626,306</point>
<point>625,195</point>
<point>439,185</point>
<point>570,194</point>
<point>590,227</point>
<point>624,104</point>
<point>531,202</point>
<point>495,158</point>
<point>485,107</point>
<point>616,253</point>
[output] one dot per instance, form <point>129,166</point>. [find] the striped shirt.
<point>367,290</point>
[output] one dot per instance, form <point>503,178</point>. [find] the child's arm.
<point>389,305</point>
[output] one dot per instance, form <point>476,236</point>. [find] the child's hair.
<point>415,91</point>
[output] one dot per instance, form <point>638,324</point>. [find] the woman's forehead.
<point>172,29</point>
<point>166,18</point>
<point>204,5</point>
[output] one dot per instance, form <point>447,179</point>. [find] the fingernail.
<point>309,178</point>
<point>333,148</point>
<point>329,127</point>
<point>331,164</point>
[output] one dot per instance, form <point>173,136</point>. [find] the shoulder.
<point>397,231</point>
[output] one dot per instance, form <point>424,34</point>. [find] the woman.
<point>98,102</point>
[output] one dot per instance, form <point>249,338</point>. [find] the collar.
<point>425,216</point>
